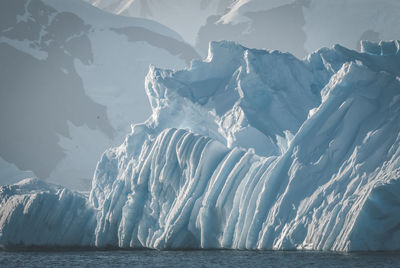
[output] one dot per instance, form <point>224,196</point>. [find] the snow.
<point>312,23</point>
<point>25,46</point>
<point>362,15</point>
<point>80,148</point>
<point>11,174</point>
<point>112,75</point>
<point>170,13</point>
<point>245,97</point>
<point>101,19</point>
<point>193,175</point>
<point>121,89</point>
<point>301,27</point>
<point>237,12</point>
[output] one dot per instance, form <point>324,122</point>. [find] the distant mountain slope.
<point>302,26</point>
<point>296,26</point>
<point>72,82</point>
<point>184,16</point>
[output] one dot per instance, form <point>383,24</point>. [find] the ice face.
<point>242,94</point>
<point>329,179</point>
<point>33,212</point>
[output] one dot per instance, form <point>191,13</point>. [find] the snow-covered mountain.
<point>184,16</point>
<point>247,149</point>
<point>302,26</point>
<point>296,26</point>
<point>71,83</point>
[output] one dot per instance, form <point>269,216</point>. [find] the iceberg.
<point>246,149</point>
<point>33,212</point>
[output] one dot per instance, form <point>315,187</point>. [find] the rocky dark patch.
<point>38,97</point>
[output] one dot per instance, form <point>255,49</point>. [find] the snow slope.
<point>185,17</point>
<point>178,180</point>
<point>302,26</point>
<point>74,78</point>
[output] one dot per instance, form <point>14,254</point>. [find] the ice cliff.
<point>247,149</point>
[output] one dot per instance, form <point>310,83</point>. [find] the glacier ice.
<point>247,149</point>
<point>33,212</point>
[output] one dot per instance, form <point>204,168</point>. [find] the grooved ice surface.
<point>247,149</point>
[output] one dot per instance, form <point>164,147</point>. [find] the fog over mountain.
<point>296,26</point>
<point>71,80</point>
<point>184,16</point>
<point>302,26</point>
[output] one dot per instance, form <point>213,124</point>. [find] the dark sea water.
<point>200,258</point>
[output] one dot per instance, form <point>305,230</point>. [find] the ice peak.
<point>223,49</point>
